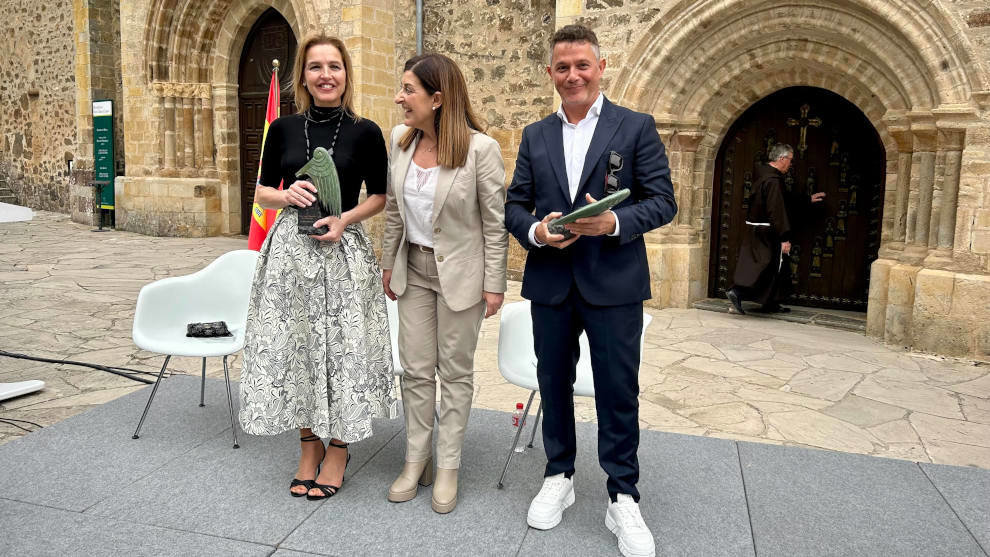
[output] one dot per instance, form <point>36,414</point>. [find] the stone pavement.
<point>69,293</point>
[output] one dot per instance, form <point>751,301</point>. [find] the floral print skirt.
<point>317,350</point>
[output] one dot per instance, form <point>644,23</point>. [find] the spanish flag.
<point>262,219</point>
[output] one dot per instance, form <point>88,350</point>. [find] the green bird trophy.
<point>323,174</point>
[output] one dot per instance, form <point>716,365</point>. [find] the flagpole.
<point>261,219</point>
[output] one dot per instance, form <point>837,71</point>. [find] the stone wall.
<point>37,101</point>
<point>105,78</point>
<point>98,76</point>
<point>975,18</point>
<point>502,48</point>
<point>975,189</point>
<point>180,75</point>
<point>185,207</point>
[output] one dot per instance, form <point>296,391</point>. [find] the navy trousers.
<point>614,338</point>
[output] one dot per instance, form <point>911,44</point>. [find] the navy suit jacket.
<point>606,270</point>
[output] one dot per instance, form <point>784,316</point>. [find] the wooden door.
<point>837,151</point>
<point>270,38</point>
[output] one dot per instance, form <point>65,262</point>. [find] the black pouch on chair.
<point>214,329</point>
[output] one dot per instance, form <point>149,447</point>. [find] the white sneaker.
<point>548,506</point>
<point>625,521</point>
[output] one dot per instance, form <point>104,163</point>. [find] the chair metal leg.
<point>230,403</point>
<point>150,398</point>
<point>202,387</point>
<point>515,441</point>
<point>539,411</point>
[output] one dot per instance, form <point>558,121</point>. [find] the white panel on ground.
<point>15,213</point>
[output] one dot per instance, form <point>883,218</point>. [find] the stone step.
<point>848,320</point>
<point>6,195</point>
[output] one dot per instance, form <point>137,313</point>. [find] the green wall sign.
<point>103,149</point>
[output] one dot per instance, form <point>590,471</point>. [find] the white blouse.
<point>417,196</point>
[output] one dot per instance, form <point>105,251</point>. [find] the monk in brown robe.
<point>761,274</point>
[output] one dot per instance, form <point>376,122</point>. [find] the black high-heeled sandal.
<point>329,490</point>
<point>308,484</point>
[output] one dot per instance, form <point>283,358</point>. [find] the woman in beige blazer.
<point>444,258</point>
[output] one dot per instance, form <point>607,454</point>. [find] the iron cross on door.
<point>804,122</point>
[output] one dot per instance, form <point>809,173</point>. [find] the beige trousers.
<point>435,341</point>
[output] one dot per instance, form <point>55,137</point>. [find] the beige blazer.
<point>470,241</point>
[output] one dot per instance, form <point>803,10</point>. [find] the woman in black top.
<point>318,355</point>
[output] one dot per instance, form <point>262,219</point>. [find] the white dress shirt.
<point>417,196</point>
<point>577,140</point>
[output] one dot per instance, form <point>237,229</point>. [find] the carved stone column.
<point>686,143</point>
<point>207,132</point>
<point>180,134</point>
<point>657,236</point>
<point>169,148</point>
<point>924,133</point>
<point>942,238</point>
<point>189,133</point>
<point>901,132</point>
<point>951,141</point>
<point>200,161</point>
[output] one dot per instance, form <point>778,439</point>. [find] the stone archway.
<point>704,63</point>
<point>837,152</point>
<point>270,38</point>
<point>180,82</point>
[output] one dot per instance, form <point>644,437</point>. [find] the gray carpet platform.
<point>84,487</point>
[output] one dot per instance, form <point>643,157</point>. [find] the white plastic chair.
<point>517,363</point>
<point>220,292</point>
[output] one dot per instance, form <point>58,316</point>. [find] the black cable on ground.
<point>113,370</point>
<point>10,421</point>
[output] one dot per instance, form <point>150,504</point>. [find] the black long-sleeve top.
<point>359,153</point>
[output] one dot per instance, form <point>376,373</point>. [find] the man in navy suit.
<point>593,281</point>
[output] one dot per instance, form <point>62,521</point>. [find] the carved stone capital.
<point>899,127</point>
<point>687,141</point>
<point>665,135</point>
<point>982,99</point>
<point>955,115</point>
<point>182,90</point>
<point>924,130</point>
<point>903,137</point>
<point>951,139</point>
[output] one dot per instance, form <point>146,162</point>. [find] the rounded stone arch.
<point>191,54</point>
<point>232,36</point>
<point>234,33</point>
<point>799,56</point>
<point>190,41</point>
<point>723,111</point>
<point>745,89</point>
<point>915,45</point>
<point>705,62</point>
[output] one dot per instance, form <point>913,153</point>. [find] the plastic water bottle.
<point>518,420</point>
<point>517,416</point>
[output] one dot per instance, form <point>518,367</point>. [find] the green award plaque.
<point>556,226</point>
<point>323,173</point>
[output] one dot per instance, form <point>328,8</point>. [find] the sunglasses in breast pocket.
<point>615,163</point>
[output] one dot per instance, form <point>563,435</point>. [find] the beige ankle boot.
<point>404,487</point>
<point>445,491</point>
